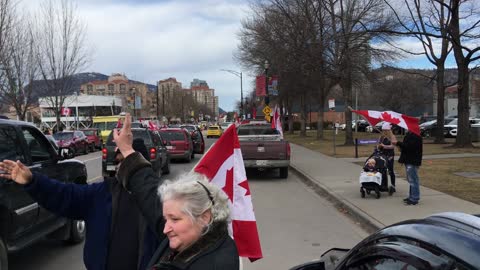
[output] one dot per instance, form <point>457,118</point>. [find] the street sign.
<point>267,110</point>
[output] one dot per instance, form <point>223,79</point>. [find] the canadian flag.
<point>407,122</point>
<point>152,126</point>
<point>223,165</point>
<point>65,111</point>
<point>276,122</point>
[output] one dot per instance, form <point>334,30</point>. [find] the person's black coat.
<point>411,149</point>
<point>215,250</point>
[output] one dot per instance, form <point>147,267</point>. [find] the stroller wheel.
<point>377,192</point>
<point>362,192</point>
<point>368,191</point>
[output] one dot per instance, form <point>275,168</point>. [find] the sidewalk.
<point>338,178</point>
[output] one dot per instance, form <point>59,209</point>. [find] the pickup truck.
<point>263,148</point>
<point>22,220</point>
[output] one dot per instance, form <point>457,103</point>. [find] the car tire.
<point>166,168</point>
<point>77,231</point>
<point>72,152</point>
<point>284,172</point>
<point>188,159</point>
<point>86,147</point>
<point>3,256</point>
<point>193,155</point>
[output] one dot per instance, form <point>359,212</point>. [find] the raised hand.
<point>15,171</point>
<point>124,138</point>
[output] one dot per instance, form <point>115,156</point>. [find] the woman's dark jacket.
<point>215,250</point>
<point>96,205</point>
<point>411,149</point>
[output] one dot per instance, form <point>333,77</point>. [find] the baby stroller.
<point>376,180</point>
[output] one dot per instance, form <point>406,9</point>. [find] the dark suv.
<point>159,156</point>
<point>197,138</point>
<point>73,141</point>
<point>22,220</point>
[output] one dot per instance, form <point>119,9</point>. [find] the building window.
<point>110,87</point>
<point>100,87</point>
<point>89,88</point>
<point>123,88</point>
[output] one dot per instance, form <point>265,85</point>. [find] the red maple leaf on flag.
<point>244,184</point>
<point>228,188</point>
<point>388,118</point>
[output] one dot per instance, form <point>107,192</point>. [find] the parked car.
<point>378,127</point>
<point>22,221</point>
<point>214,131</point>
<point>197,138</point>
<point>159,156</point>
<point>441,241</point>
<point>179,143</point>
<point>73,141</point>
<point>362,125</point>
<point>427,129</point>
<point>94,138</point>
<point>450,130</point>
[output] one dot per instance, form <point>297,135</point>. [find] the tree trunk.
<point>439,137</point>
<point>320,114</point>
<point>303,116</point>
<point>348,114</point>
<point>463,124</point>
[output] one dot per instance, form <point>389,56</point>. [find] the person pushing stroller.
<point>388,149</point>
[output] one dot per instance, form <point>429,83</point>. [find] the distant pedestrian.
<point>411,156</point>
<point>388,149</point>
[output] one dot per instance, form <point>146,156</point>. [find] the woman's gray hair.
<point>199,196</point>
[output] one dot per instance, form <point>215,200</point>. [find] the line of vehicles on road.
<point>443,241</point>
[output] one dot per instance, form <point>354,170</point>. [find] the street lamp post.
<point>266,65</point>
<point>158,111</point>
<point>238,74</point>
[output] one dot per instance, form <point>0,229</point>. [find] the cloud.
<point>154,40</point>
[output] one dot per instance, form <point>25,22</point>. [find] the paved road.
<point>295,224</point>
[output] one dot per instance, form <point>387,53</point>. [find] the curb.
<point>368,223</point>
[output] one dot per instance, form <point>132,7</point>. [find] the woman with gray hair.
<point>196,215</point>
<point>191,212</point>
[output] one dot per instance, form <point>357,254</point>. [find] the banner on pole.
<point>260,86</point>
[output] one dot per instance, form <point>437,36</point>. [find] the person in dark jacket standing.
<point>388,149</point>
<point>117,236</point>
<point>192,213</point>
<point>411,156</point>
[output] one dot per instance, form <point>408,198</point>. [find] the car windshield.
<point>105,125</point>
<point>453,122</point>
<point>428,123</point>
<point>63,136</point>
<point>256,130</point>
<point>89,132</point>
<point>189,128</point>
<point>172,135</point>
<point>137,133</point>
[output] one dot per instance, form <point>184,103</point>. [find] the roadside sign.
<point>267,110</point>
<point>331,104</point>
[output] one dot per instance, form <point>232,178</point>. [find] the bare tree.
<point>19,68</point>
<point>466,51</point>
<point>61,50</point>
<point>354,25</point>
<point>423,19</point>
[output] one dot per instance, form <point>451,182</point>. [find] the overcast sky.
<point>151,40</point>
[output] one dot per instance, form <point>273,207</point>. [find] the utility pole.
<point>238,74</point>
<point>158,109</point>
<point>76,108</point>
